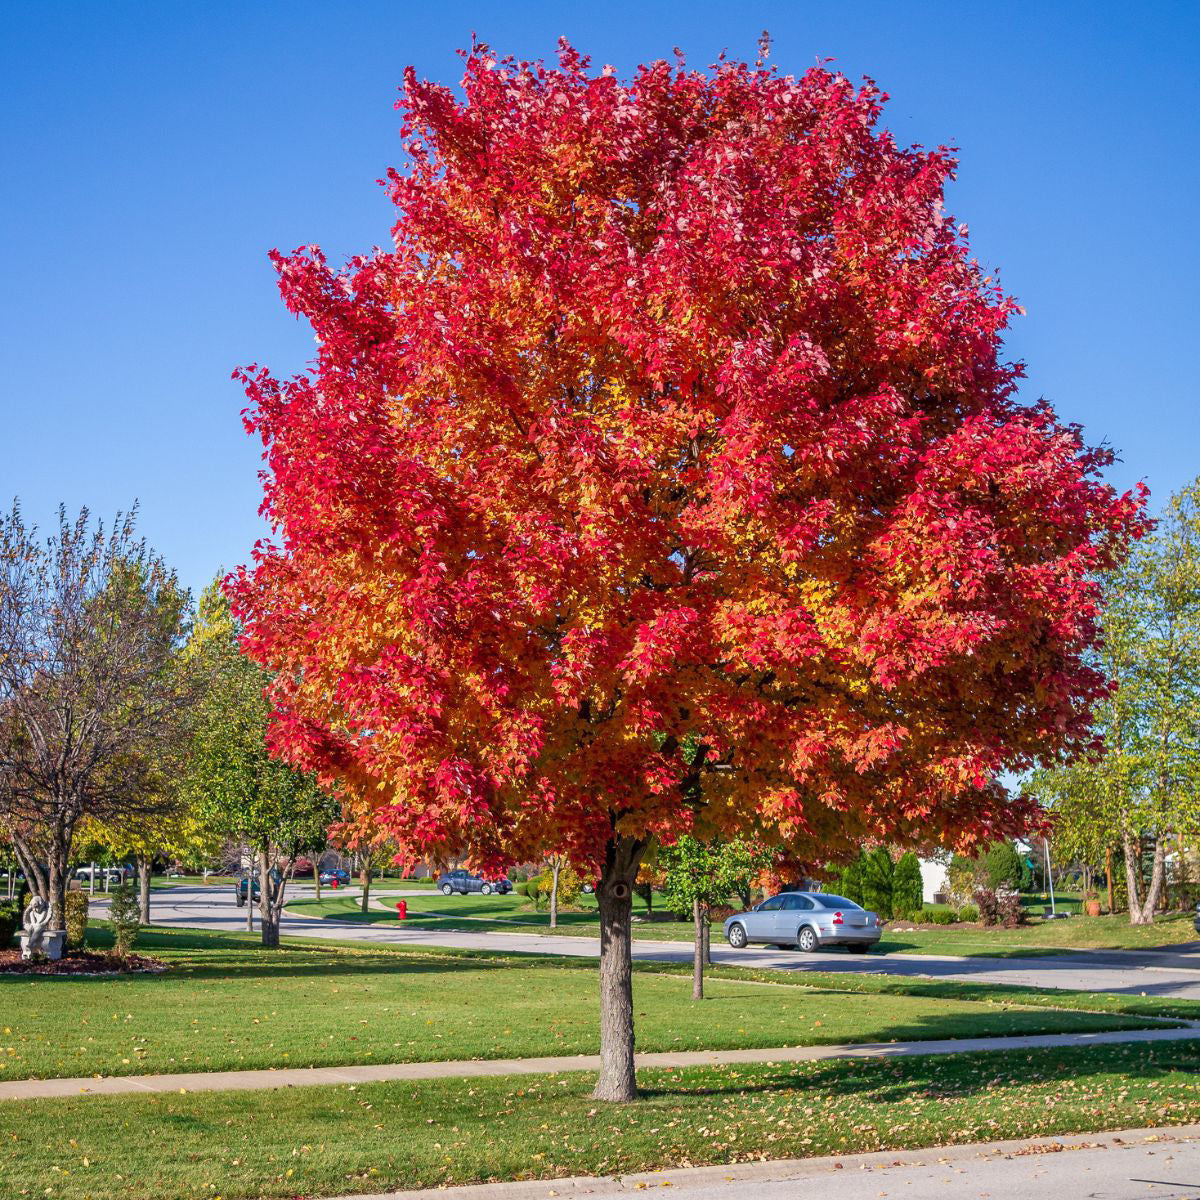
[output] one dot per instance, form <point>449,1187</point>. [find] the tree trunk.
<point>1141,909</point>
<point>697,951</point>
<point>555,867</point>
<point>56,885</point>
<point>268,911</point>
<point>365,879</point>
<point>1158,879</point>
<point>707,940</point>
<point>143,867</point>
<point>618,1081</point>
<point>317,879</point>
<point>251,871</point>
<point>1108,870</point>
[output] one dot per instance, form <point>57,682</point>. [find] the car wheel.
<point>486,890</point>
<point>239,902</point>
<point>446,889</point>
<point>737,937</point>
<point>806,940</point>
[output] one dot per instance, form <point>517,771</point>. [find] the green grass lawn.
<point>1111,932</point>
<point>498,913</point>
<point>376,1137</point>
<point>228,1004</point>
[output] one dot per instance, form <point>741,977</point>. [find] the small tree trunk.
<point>143,867</point>
<point>618,1080</point>
<point>317,878</point>
<point>57,885</point>
<point>267,911</point>
<point>1133,881</point>
<point>1158,877</point>
<point>1108,870</point>
<point>365,879</point>
<point>697,951</point>
<point>555,867</point>
<point>251,871</point>
<point>707,940</point>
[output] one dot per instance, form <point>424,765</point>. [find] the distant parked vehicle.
<point>805,920</point>
<point>463,881</point>
<point>335,875</point>
<point>114,875</point>
<point>240,888</point>
<point>588,889</point>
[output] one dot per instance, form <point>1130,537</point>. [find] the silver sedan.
<point>806,920</point>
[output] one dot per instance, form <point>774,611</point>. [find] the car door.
<point>760,924</point>
<point>791,917</point>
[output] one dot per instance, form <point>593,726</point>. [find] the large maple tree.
<point>667,476</point>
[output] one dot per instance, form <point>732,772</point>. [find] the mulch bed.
<point>81,962</point>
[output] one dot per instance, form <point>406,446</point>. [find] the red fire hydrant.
<point>401,909</point>
<point>334,883</point>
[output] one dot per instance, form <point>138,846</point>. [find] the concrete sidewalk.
<point>217,1081</point>
<point>1129,1164</point>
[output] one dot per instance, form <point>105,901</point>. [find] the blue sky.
<point>152,153</point>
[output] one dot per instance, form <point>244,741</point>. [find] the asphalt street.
<point>1124,972</point>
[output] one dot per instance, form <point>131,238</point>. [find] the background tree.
<point>236,786</point>
<point>1137,793</point>
<point>698,876</point>
<point>666,475</point>
<point>176,831</point>
<point>89,624</point>
<point>360,834</point>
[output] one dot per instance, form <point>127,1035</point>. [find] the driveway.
<point>1123,972</point>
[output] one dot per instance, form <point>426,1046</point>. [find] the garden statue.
<point>37,938</point>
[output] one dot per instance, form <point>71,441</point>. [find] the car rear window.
<point>835,902</point>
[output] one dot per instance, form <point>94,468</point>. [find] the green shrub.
<point>878,874</point>
<point>76,918</point>
<point>124,912</point>
<point>1002,866</point>
<point>968,912</point>
<point>521,887</point>
<point>10,922</point>
<point>850,881</point>
<point>941,916</point>
<point>907,888</point>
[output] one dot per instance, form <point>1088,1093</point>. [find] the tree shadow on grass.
<point>930,1077</point>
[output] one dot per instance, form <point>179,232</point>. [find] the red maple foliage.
<point>667,475</point>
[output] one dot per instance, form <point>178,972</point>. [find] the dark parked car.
<point>239,892</point>
<point>335,875</point>
<point>463,881</point>
<point>805,920</point>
